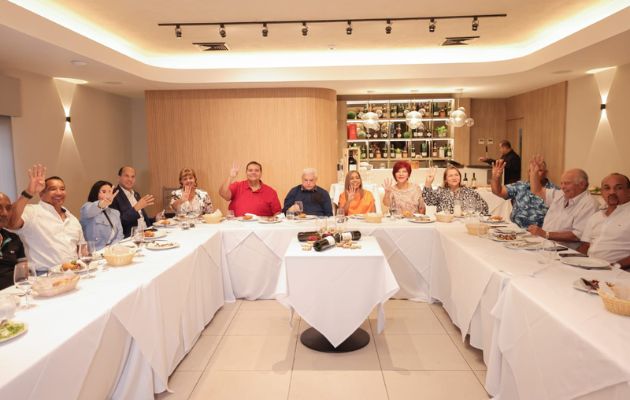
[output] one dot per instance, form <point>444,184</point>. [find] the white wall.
<point>596,141</point>
<point>7,175</point>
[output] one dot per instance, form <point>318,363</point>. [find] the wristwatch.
<point>26,194</point>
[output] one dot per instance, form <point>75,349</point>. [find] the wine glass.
<point>230,215</point>
<point>85,253</point>
<point>137,236</point>
<point>23,278</point>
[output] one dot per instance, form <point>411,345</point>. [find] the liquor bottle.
<point>449,151</point>
<point>346,236</point>
<point>424,151</point>
<point>473,181</point>
<point>392,151</point>
<point>308,236</point>
<point>441,152</point>
<point>434,153</point>
<point>352,162</point>
<point>406,110</point>
<point>371,154</point>
<point>325,243</point>
<point>413,151</point>
<point>398,131</point>
<point>465,181</point>
<point>377,152</point>
<point>363,153</point>
<point>405,153</point>
<point>384,129</point>
<point>401,112</point>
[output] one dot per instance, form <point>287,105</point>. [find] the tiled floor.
<point>249,351</point>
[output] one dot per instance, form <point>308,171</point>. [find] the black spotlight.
<point>349,28</point>
<point>265,31</point>
<point>388,28</point>
<point>304,29</point>
<point>432,25</point>
<point>475,24</point>
<point>222,30</point>
<point>178,31</point>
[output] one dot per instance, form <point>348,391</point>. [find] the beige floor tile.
<point>433,385</point>
<point>303,325</point>
<point>243,385</point>
<point>444,319</point>
<point>419,353</point>
<point>222,319</point>
<point>473,356</point>
<point>182,384</point>
<point>341,385</point>
<point>393,304</point>
<point>481,376</point>
<point>262,305</point>
<point>199,355</point>
<point>409,321</point>
<point>262,322</point>
<point>362,359</point>
<point>254,353</point>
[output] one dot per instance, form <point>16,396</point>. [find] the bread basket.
<point>213,218</point>
<point>477,229</point>
<point>118,255</point>
<point>444,217</point>
<point>373,218</point>
<point>47,286</point>
<point>616,297</point>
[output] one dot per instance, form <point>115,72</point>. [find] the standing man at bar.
<point>251,195</point>
<point>129,202</point>
<point>11,247</point>
<point>511,159</point>
<point>316,200</point>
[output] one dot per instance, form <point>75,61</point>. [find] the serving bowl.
<point>118,255</point>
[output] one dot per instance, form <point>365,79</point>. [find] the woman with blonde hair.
<point>355,199</point>
<point>188,197</point>
<point>444,197</point>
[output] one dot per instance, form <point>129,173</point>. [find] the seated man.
<point>315,200</point>
<point>129,202</point>
<point>527,208</point>
<point>11,248</point>
<point>607,232</point>
<point>569,208</point>
<point>251,195</point>
<point>511,159</point>
<point>49,231</point>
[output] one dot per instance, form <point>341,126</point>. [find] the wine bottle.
<point>371,154</point>
<point>345,236</point>
<point>308,236</point>
<point>434,152</point>
<point>424,150</point>
<point>413,151</point>
<point>441,152</point>
<point>325,243</point>
<point>473,181</point>
<point>398,131</point>
<point>352,162</point>
<point>465,181</point>
<point>392,151</point>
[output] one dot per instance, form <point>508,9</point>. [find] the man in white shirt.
<point>569,207</point>
<point>607,232</point>
<point>49,231</point>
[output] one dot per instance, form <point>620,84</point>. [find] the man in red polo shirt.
<point>251,195</point>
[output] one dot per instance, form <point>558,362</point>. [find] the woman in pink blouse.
<point>404,196</point>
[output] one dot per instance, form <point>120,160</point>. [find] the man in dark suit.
<point>512,171</point>
<point>129,202</point>
<point>11,248</point>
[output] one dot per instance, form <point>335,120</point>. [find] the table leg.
<point>312,339</point>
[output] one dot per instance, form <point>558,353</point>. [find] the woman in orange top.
<point>354,199</point>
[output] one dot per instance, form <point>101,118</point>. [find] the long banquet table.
<point>125,331</point>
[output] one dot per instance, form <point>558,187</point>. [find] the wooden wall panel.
<point>543,112</point>
<point>489,115</point>
<point>284,129</point>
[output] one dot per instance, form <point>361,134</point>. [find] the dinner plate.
<point>581,286</point>
<point>21,332</point>
<point>81,270</point>
<point>266,221</point>
<point>161,245</point>
<point>156,235</point>
<point>585,262</point>
<point>172,224</point>
<point>515,231</point>
<point>305,217</point>
<point>521,245</point>
<point>252,219</point>
<point>357,216</point>
<point>498,239</point>
<point>419,221</point>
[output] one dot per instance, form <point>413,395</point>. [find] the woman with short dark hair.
<point>401,194</point>
<point>188,198</point>
<point>101,223</point>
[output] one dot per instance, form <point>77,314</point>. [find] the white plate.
<point>305,218</point>
<point>156,235</point>
<point>357,216</point>
<point>264,221</point>
<point>252,219</point>
<point>172,224</point>
<point>515,231</point>
<point>161,245</point>
<point>498,239</point>
<point>521,245</point>
<point>581,286</point>
<point>585,262</point>
<point>22,332</point>
<point>82,270</point>
<point>415,221</point>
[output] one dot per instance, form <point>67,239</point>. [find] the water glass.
<point>23,279</point>
<point>546,252</point>
<point>230,215</point>
<point>290,215</point>
<point>341,215</point>
<point>457,208</point>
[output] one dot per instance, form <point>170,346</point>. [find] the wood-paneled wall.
<point>543,112</point>
<point>489,115</point>
<point>285,129</point>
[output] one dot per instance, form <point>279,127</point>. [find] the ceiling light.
<point>265,31</point>
<point>388,28</point>
<point>72,80</point>
<point>349,28</point>
<point>432,25</point>
<point>78,63</point>
<point>178,31</point>
<point>222,30</point>
<point>304,29</point>
<point>598,70</point>
<point>475,24</point>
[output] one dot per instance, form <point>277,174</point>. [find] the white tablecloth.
<point>335,290</point>
<point>119,335</point>
<point>496,204</point>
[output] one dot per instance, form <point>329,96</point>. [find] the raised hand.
<point>351,193</point>
<point>497,169</point>
<point>107,200</point>
<point>536,165</point>
<point>145,201</point>
<point>37,179</point>
<point>234,170</point>
<point>388,185</point>
<point>187,192</point>
<point>428,181</point>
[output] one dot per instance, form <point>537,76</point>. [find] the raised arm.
<point>37,183</point>
<point>224,190</point>
<point>497,172</point>
<point>536,171</point>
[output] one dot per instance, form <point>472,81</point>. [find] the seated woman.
<point>444,197</point>
<point>188,198</point>
<point>404,196</point>
<point>100,223</point>
<point>354,199</point>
